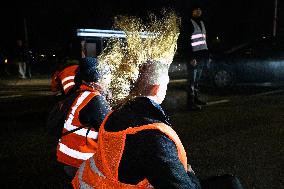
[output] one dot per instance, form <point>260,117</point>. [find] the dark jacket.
<point>148,153</point>
<point>20,54</point>
<point>94,112</point>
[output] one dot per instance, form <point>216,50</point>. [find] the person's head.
<point>90,72</point>
<point>153,81</point>
<point>196,11</point>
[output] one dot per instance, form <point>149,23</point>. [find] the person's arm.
<point>191,58</point>
<point>162,166</point>
<point>94,112</point>
<point>54,82</point>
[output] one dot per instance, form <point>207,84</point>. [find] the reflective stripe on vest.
<point>198,37</point>
<point>69,150</point>
<point>83,185</point>
<point>68,123</point>
<point>68,82</point>
<point>67,76</point>
<point>73,153</point>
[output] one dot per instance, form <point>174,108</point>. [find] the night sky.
<point>54,22</point>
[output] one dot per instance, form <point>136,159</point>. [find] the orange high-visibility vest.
<point>101,170</point>
<point>64,80</point>
<point>75,147</point>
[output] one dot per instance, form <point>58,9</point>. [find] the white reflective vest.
<point>198,37</point>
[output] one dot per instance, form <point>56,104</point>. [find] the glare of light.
<point>42,55</point>
<point>53,55</point>
<point>6,61</point>
<point>109,33</point>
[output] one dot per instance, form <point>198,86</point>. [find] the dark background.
<point>52,24</point>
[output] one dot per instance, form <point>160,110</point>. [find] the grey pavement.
<point>37,80</point>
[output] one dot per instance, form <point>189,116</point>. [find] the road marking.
<point>10,96</point>
<point>217,102</point>
<point>268,93</point>
<point>178,80</point>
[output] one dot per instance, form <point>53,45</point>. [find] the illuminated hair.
<point>150,74</point>
<point>153,73</point>
<point>126,56</point>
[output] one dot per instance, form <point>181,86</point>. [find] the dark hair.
<point>88,69</point>
<point>196,5</point>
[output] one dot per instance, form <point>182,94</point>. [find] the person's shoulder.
<point>154,139</point>
<point>98,98</point>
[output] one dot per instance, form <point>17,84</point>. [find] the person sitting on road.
<point>137,147</point>
<point>80,131</point>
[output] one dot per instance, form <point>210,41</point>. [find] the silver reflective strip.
<point>82,132</point>
<point>197,36</point>
<point>74,153</point>
<point>68,85</point>
<point>198,43</point>
<point>68,123</point>
<point>83,185</point>
<point>68,78</point>
<point>95,168</point>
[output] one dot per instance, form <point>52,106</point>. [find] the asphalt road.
<point>240,132</point>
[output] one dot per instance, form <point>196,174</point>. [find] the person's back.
<point>136,145</point>
<point>63,80</point>
<point>80,129</point>
<point>151,152</point>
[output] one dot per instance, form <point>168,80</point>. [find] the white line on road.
<point>10,96</point>
<point>178,80</point>
<point>217,102</point>
<point>267,93</point>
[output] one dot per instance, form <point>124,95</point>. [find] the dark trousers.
<point>69,173</point>
<point>195,73</point>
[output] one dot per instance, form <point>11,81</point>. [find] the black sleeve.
<point>187,37</point>
<point>162,166</point>
<point>191,30</point>
<point>94,112</point>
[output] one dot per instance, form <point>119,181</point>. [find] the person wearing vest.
<point>62,81</point>
<point>80,131</point>
<point>198,60</point>
<point>137,147</point>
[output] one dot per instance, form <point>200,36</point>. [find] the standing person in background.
<point>20,57</point>
<point>198,58</point>
<point>29,61</point>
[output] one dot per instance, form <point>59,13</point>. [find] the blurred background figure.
<point>29,60</point>
<point>21,58</point>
